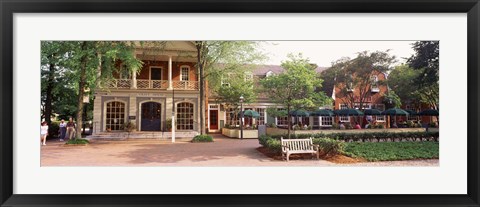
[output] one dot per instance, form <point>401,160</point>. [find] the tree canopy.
<point>296,87</point>
<point>356,74</point>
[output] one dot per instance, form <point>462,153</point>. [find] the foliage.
<point>229,94</point>
<point>168,123</point>
<point>426,59</point>
<point>402,80</point>
<point>79,66</point>
<point>130,126</point>
<point>77,141</point>
<point>426,62</point>
<point>367,135</point>
<point>356,74</point>
<point>388,151</point>
<point>329,147</point>
<point>215,59</point>
<point>274,146</point>
<point>262,140</point>
<point>392,100</point>
<point>202,138</point>
<point>53,128</point>
<point>296,87</point>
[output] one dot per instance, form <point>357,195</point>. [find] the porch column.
<point>170,84</point>
<point>97,113</point>
<point>134,80</point>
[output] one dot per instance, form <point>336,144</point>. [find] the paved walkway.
<point>222,152</point>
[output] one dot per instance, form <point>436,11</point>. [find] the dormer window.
<point>374,84</point>
<point>350,87</point>
<point>269,73</point>
<point>248,77</point>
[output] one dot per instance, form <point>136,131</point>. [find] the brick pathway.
<point>222,152</point>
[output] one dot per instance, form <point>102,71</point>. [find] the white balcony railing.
<point>186,85</point>
<point>119,83</point>
<point>151,84</point>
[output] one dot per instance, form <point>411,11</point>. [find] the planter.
<point>236,133</point>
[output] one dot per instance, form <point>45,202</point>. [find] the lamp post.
<point>173,115</point>
<point>241,117</point>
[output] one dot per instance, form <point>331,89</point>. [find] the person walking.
<point>70,128</point>
<point>62,130</point>
<point>43,133</point>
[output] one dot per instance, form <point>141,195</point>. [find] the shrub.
<point>262,140</point>
<point>77,141</point>
<point>168,124</point>
<point>329,147</point>
<point>272,125</point>
<point>274,145</point>
<point>53,129</point>
<point>130,126</point>
<point>202,138</point>
<point>363,136</point>
<point>335,126</point>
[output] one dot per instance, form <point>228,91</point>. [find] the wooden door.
<point>214,119</point>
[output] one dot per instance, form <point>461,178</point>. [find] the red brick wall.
<point>376,98</point>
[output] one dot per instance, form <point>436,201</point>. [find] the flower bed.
<point>338,144</point>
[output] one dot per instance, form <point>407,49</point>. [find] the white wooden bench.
<point>298,146</point>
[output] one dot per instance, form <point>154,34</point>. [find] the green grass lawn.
<point>388,151</point>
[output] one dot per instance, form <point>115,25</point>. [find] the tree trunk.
<point>81,88</point>
<point>200,47</point>
<point>289,125</point>
<point>49,92</point>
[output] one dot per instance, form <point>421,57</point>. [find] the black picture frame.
<point>10,7</point>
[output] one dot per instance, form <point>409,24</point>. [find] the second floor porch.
<point>151,84</point>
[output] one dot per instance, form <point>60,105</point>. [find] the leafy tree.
<point>52,76</point>
<point>356,75</point>
<point>391,100</point>
<point>403,80</point>
<point>230,91</point>
<point>426,61</point>
<point>217,58</point>
<point>296,87</point>
<point>85,63</point>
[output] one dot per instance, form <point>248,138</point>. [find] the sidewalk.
<point>222,152</point>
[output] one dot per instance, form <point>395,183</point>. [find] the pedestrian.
<point>70,128</point>
<point>62,130</point>
<point>43,133</point>
<point>357,126</point>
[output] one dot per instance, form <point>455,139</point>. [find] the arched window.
<point>185,116</point>
<point>115,116</point>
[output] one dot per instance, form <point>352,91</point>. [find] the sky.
<point>323,53</point>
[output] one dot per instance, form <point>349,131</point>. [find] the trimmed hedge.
<point>355,137</point>
<point>202,138</point>
<point>389,151</point>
